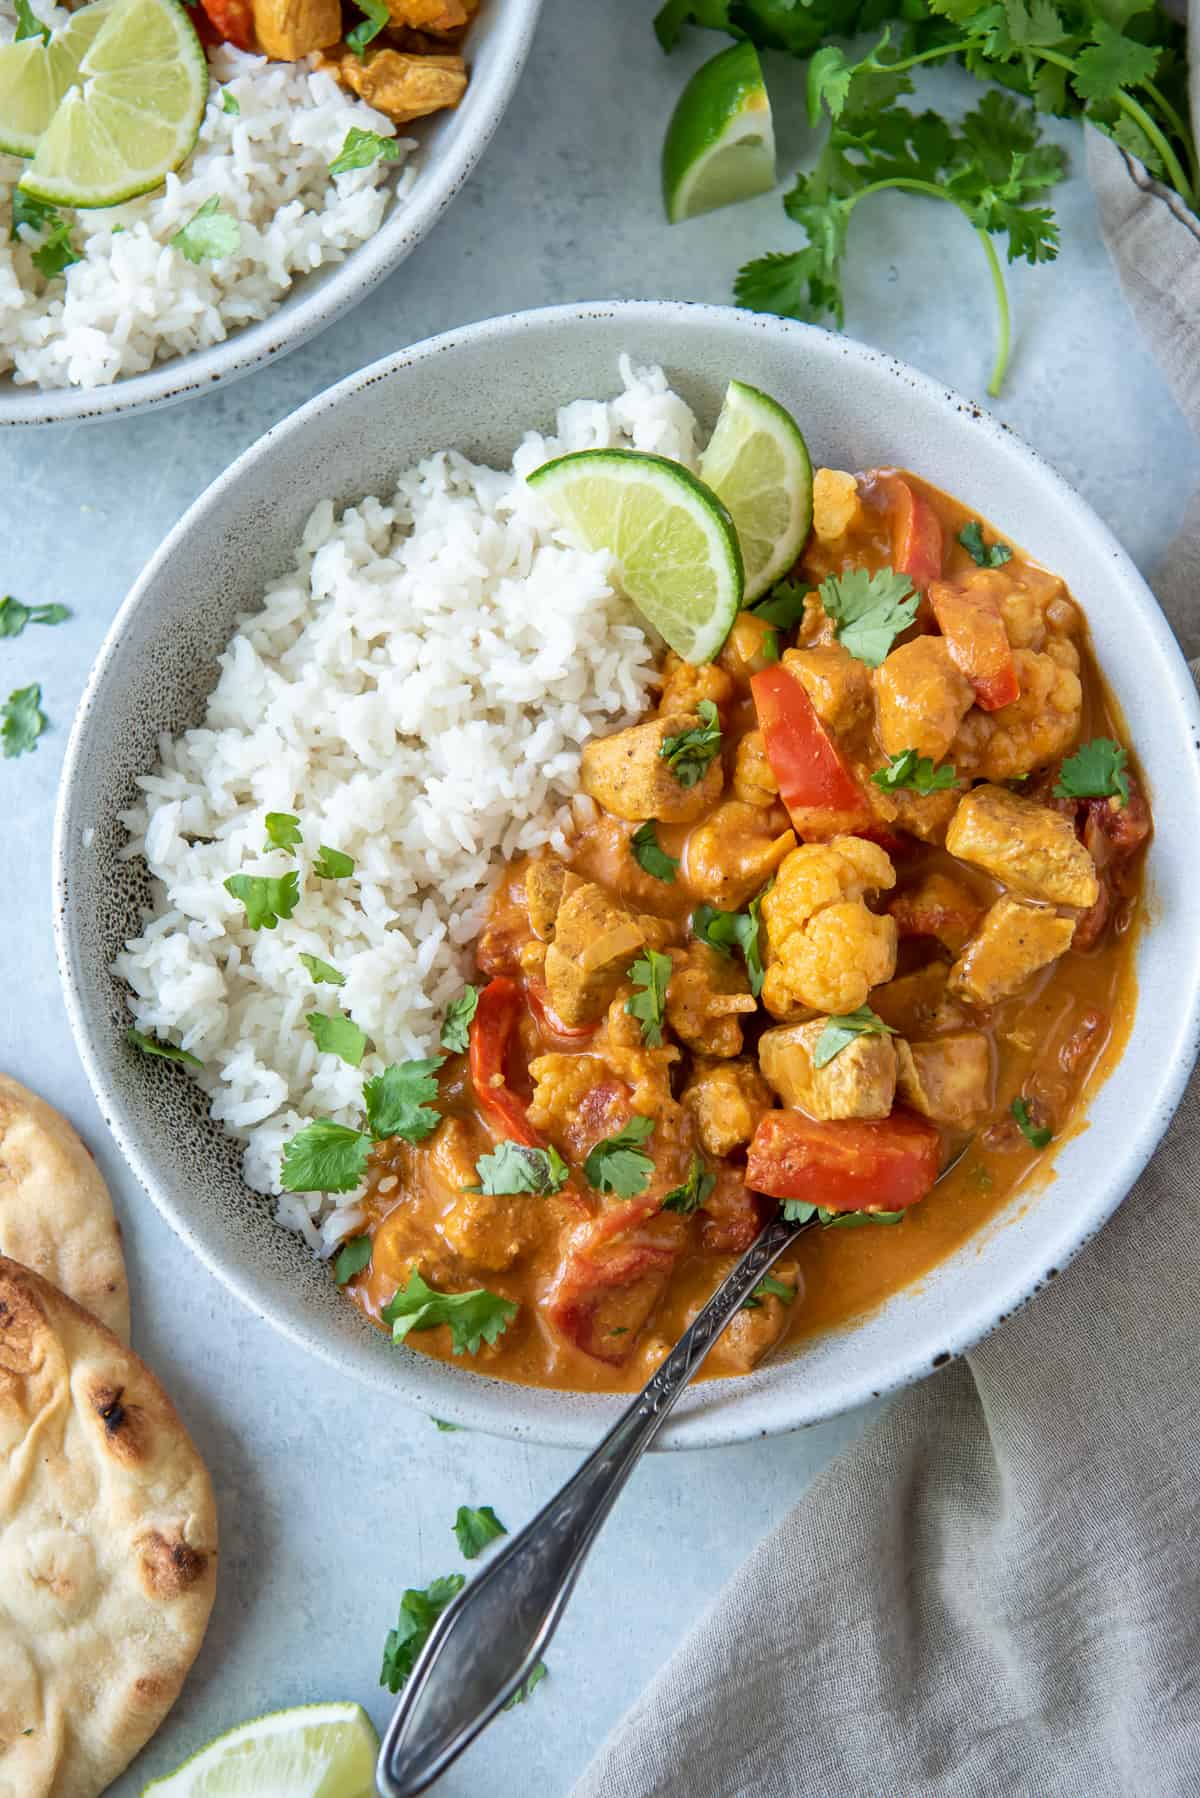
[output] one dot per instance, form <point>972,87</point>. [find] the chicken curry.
<point>853,906</point>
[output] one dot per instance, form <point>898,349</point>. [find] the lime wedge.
<point>720,144</point>
<point>673,543</point>
<point>311,1751</point>
<point>131,112</point>
<point>35,76</point>
<point>757,464</point>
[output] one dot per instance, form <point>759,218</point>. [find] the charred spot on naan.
<point>170,1567</point>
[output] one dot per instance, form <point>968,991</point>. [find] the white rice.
<point>133,300</point>
<point>416,691</point>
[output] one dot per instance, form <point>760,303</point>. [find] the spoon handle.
<point>489,1640</point>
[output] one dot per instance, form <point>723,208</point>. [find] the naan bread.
<point>55,1212</point>
<point>108,1540</point>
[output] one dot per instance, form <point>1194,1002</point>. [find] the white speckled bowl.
<point>451,145</point>
<point>478,389</point>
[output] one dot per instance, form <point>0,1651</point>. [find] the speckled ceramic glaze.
<point>478,389</point>
<point>450,145</point>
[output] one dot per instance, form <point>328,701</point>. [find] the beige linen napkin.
<point>996,1593</point>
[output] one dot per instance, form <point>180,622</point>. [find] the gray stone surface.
<point>332,1501</point>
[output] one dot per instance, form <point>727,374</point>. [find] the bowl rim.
<point>301,315</point>
<point>1070,1228</point>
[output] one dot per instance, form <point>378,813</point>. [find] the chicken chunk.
<point>949,1079</point>
<point>707,996</point>
<point>923,815</point>
<point>726,1099</point>
<point>685,684</point>
<point>1015,940</point>
<point>754,1330</point>
<point>289,29</point>
<point>486,1230</point>
<point>826,950</point>
<point>1030,848</point>
<point>922,698</point>
<point>1036,728</point>
<point>836,504</point>
<point>918,1002</point>
<point>838,684</point>
<point>860,1081</point>
<point>441,17</point>
<point>734,853</point>
<point>402,86</point>
<point>754,782</point>
<point>545,880</point>
<point>595,940</point>
<point>627,774</point>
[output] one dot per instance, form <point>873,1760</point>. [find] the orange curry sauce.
<point>1049,1042</point>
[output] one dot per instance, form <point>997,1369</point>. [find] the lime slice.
<point>35,76</point>
<point>131,113</point>
<point>311,1751</point>
<point>757,464</point>
<point>720,144</point>
<point>673,542</point>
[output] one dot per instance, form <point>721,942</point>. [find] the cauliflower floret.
<point>733,853</point>
<point>753,781</point>
<point>835,504</point>
<point>826,950</point>
<point>706,996</point>
<point>685,684</point>
<point>1035,729</point>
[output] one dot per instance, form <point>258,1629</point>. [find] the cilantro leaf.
<point>1037,1134</point>
<point>768,649</point>
<point>650,855</point>
<point>375,17</point>
<point>14,616</point>
<point>57,252</point>
<point>450,1429</point>
<point>769,1288</point>
<point>515,1167</point>
<point>797,1211</point>
<point>784,605</point>
<point>986,555</point>
<point>28,24</point>
<point>150,1045</point>
<point>475,1529</point>
<point>230,102</point>
<point>1110,62</point>
<point>397,1101</point>
<point>830,74</point>
<point>283,832</point>
<point>351,1258</point>
<point>840,1032</point>
<point>869,610</point>
<point>419,1611</point>
<point>914,772</point>
<point>691,1195</point>
<point>337,1035</point>
<point>651,973</point>
<point>1095,771</point>
<point>22,720</point>
<point>689,753</point>
<point>331,864</point>
<point>325,1157</point>
<point>618,1165</point>
<point>208,235</point>
<point>474,1317</point>
<point>266,899</point>
<point>537,1674</point>
<point>322,972</point>
<point>456,1025</point>
<point>725,930</point>
<point>361,149</point>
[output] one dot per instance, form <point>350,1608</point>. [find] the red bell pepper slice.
<point>851,1164</point>
<point>564,1036</point>
<point>820,792</point>
<point>918,542</point>
<point>978,642</point>
<point>613,1277</point>
<point>492,1030</point>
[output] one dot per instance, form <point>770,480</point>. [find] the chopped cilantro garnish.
<point>283,832</point>
<point>691,1195</point>
<point>650,973</point>
<point>768,649</point>
<point>1037,1134</point>
<point>323,973</point>
<point>351,1258</point>
<point>375,17</point>
<point>769,1288</point>
<point>987,555</point>
<point>514,1167</point>
<point>916,772</point>
<point>475,1529</point>
<point>725,930</point>
<point>650,855</point>
<point>29,25</point>
<point>449,1429</point>
<point>208,235</point>
<point>22,720</point>
<point>474,1317</point>
<point>784,605</point>
<point>325,1157</point>
<point>1095,771</point>
<point>618,1165</point>
<point>419,1611</point>
<point>537,1674</point>
<point>230,102</point>
<point>796,1211</point>
<point>337,1035</point>
<point>689,753</point>
<point>456,1025</point>
<point>14,616</point>
<point>265,898</point>
<point>331,864</point>
<point>397,1101</point>
<point>869,610</point>
<point>361,149</point>
<point>150,1045</point>
<point>840,1032</point>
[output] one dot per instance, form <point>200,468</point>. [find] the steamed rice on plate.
<point>300,153</point>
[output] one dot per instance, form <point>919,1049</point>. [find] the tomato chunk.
<point>231,21</point>
<point>492,1031</point>
<point>978,642</point>
<point>918,541</point>
<point>849,1165</point>
<point>821,794</point>
<point>613,1277</point>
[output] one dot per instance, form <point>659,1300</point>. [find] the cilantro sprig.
<point>650,974</point>
<point>456,1025</point>
<point>619,1164</point>
<point>326,1156</point>
<point>984,555</point>
<point>474,1317</point>
<point>14,616</point>
<point>869,611</point>
<point>1095,771</point>
<point>689,753</point>
<point>419,1611</point>
<point>397,1102</point>
<point>650,855</point>
<point>695,1189</point>
<point>841,1031</point>
<point>514,1167</point>
<point>727,930</point>
<point>916,773</point>
<point>474,1529</point>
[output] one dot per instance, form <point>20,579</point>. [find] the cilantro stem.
<point>1180,128</point>
<point>1134,110</point>
<point>934,192</point>
<point>910,62</point>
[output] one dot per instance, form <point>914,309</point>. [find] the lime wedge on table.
<point>34,77</point>
<point>130,114</point>
<point>675,548</point>
<point>720,143</point>
<point>312,1751</point>
<point>757,464</point>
